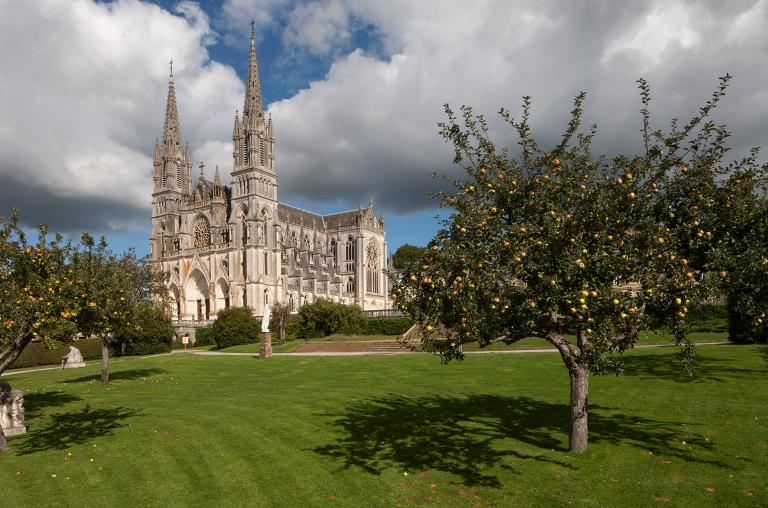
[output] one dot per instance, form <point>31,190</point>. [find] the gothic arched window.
<point>372,268</point>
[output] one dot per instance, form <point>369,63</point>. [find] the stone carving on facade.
<point>202,233</point>
<point>11,411</point>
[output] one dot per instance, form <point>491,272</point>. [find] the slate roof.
<point>293,215</point>
<point>342,219</point>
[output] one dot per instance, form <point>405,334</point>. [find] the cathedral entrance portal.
<point>196,297</point>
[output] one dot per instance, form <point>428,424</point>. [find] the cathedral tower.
<point>254,188</point>
<point>172,165</point>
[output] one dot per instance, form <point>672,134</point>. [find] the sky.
<point>356,89</point>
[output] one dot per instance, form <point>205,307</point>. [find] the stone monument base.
<point>72,365</point>
<point>265,348</point>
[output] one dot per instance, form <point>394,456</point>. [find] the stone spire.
<point>171,130</point>
<point>236,128</point>
<point>253,108</point>
<point>216,177</point>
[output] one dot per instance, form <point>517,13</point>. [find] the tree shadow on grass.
<point>118,375</point>
<point>705,368</point>
<point>36,402</point>
<point>73,428</point>
<point>472,436</point>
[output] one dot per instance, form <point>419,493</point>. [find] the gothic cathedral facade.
<point>237,245</point>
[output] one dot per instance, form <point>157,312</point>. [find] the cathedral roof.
<point>296,215</point>
<point>342,219</point>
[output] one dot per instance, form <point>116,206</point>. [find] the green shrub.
<point>743,328</point>
<point>36,354</point>
<point>702,318</point>
<point>235,325</point>
<point>324,317</point>
<point>151,332</point>
<point>292,328</point>
<point>388,326</point>
<point>204,336</point>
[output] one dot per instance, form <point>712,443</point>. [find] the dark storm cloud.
<point>67,214</point>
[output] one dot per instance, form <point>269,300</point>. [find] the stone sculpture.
<point>11,411</point>
<point>73,359</point>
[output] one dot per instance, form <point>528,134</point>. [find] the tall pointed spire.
<point>171,130</point>
<point>236,128</point>
<point>254,107</point>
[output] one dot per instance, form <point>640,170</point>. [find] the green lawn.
<point>645,339</point>
<point>185,430</point>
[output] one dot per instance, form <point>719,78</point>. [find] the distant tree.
<point>235,325</point>
<point>406,255</point>
<point>111,287</point>
<point>149,331</point>
<point>569,247</point>
<point>280,313</point>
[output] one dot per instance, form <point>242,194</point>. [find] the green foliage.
<point>235,325</point>
<point>743,327</point>
<point>204,336</point>
<point>388,326</point>
<point>551,240</point>
<point>293,327</point>
<point>561,240</point>
<point>150,332</point>
<point>407,255</point>
<point>39,353</point>
<point>324,317</point>
<point>39,292</point>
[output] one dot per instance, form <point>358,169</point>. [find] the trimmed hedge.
<point>36,354</point>
<point>388,326</point>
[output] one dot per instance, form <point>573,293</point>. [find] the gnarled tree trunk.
<point>104,359</point>
<point>579,435</point>
<point>14,349</point>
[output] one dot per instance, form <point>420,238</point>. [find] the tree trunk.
<point>579,390</point>
<point>104,360</point>
<point>9,355</point>
<point>3,442</point>
<point>281,333</point>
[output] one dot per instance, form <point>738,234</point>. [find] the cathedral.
<point>237,245</point>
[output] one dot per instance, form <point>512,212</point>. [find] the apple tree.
<point>571,247</point>
<point>37,291</point>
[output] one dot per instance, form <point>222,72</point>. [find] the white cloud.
<point>369,126</point>
<point>83,95</point>
<point>670,22</point>
<point>318,26</point>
